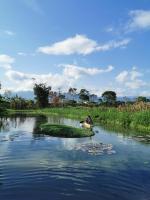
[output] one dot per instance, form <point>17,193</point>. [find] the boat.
<point>85,124</point>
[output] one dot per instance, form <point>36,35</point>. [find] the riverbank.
<point>138,120</point>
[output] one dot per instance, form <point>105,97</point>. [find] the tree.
<point>0,94</point>
<point>17,102</point>
<point>141,98</point>
<point>7,94</point>
<point>56,100</point>
<point>109,97</point>
<point>100,100</point>
<point>84,95</point>
<point>41,91</point>
<point>72,92</point>
<point>2,102</point>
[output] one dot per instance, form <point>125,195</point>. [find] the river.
<point>39,167</point>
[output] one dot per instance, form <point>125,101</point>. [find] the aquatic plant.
<point>64,131</point>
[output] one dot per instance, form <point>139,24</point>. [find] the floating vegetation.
<point>96,148</point>
<point>58,130</point>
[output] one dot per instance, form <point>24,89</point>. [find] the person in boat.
<point>89,120</point>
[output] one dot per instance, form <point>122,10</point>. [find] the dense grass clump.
<point>65,131</point>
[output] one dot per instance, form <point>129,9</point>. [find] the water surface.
<point>34,166</point>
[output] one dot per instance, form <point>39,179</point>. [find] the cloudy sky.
<point>94,44</point>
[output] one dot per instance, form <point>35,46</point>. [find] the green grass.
<point>65,131</point>
<point>138,120</point>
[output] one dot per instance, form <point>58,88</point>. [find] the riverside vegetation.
<point>122,117</point>
<point>109,112</point>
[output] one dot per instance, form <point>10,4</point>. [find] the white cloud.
<point>134,74</point>
<point>123,76</point>
<point>17,76</point>
<point>145,93</point>
<point>78,71</point>
<point>113,45</point>
<point>25,82</point>
<point>80,44</point>
<point>131,79</point>
<point>109,29</point>
<point>8,32</point>
<point>6,61</point>
<point>120,91</point>
<point>22,54</point>
<point>25,54</point>
<point>139,19</point>
<point>137,83</point>
<point>68,77</point>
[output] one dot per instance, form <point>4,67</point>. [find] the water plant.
<point>65,131</point>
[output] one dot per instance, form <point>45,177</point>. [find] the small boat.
<point>85,125</point>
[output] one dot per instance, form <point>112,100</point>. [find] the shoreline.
<point>138,121</point>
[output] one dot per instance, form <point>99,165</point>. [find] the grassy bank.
<point>65,131</point>
<point>137,120</point>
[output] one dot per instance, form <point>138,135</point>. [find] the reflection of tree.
<point>3,124</point>
<point>38,121</point>
<point>143,138</point>
<point>6,123</point>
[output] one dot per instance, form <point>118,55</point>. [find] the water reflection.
<point>43,167</point>
<point>32,124</point>
<point>7,123</point>
<point>38,121</point>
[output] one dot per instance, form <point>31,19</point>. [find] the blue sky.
<point>98,45</point>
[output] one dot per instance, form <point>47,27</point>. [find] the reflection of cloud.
<point>12,130</point>
<point>70,143</point>
<point>55,157</point>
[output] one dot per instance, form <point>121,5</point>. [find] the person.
<point>89,120</point>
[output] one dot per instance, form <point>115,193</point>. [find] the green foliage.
<point>141,98</point>
<point>65,131</point>
<point>84,95</point>
<point>2,107</point>
<point>42,93</point>
<point>108,116</point>
<point>138,120</point>
<point>20,103</point>
<point>109,97</point>
<point>70,103</point>
<point>72,91</point>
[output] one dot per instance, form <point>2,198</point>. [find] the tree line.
<point>45,97</point>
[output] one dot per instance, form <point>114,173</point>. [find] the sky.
<point>94,44</point>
